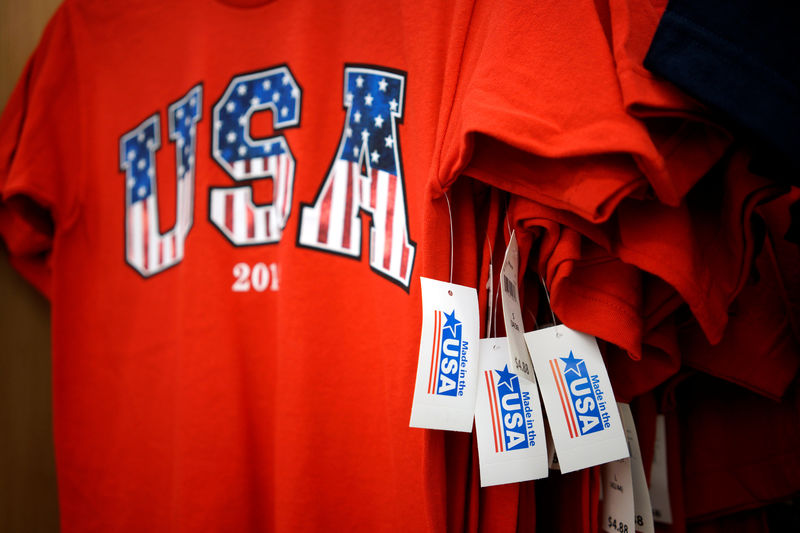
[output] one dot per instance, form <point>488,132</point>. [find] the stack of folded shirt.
<point>656,230</point>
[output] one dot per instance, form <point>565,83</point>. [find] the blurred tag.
<point>578,398</point>
<point>447,369</point>
<point>625,482</point>
<point>659,482</point>
<point>519,358</point>
<point>643,510</point>
<point>490,298</point>
<point>617,510</point>
<point>508,421</point>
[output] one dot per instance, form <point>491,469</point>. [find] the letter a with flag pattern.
<point>366,174</point>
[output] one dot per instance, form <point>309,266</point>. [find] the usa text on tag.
<point>583,416</point>
<point>508,421</point>
<point>444,394</point>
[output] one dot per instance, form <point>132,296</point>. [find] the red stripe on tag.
<point>434,351</point>
<point>561,394</point>
<point>499,421</point>
<point>486,374</point>
<point>569,403</point>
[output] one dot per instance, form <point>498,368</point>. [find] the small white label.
<point>578,398</point>
<point>490,298</point>
<point>617,511</point>
<point>659,482</point>
<point>508,421</point>
<point>643,510</point>
<point>519,358</point>
<point>447,369</point>
<point>628,506</point>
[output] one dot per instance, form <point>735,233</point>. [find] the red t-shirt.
<point>595,292</point>
<point>739,450</point>
<point>237,196</point>
<point>702,249</point>
<point>686,142</point>
<point>538,110</point>
<point>759,349</point>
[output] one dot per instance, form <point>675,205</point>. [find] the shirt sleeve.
<point>538,109</point>
<point>39,150</point>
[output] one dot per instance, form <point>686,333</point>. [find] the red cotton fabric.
<point>191,393</point>
<point>724,469</point>
<point>702,254</point>
<point>180,401</point>
<point>686,143</point>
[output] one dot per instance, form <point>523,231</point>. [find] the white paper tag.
<point>659,482</point>
<point>643,510</point>
<point>617,511</point>
<point>578,398</point>
<point>490,298</point>
<point>519,358</point>
<point>508,421</point>
<point>628,507</point>
<point>447,369</point>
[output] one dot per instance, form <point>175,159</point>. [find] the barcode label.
<point>510,288</point>
<point>519,360</point>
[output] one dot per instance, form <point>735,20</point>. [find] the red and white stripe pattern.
<point>494,411</point>
<point>566,403</point>
<point>148,250</point>
<point>238,217</point>
<point>333,223</point>
<point>436,350</point>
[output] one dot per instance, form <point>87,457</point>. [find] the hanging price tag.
<point>490,298</point>
<point>508,421</point>
<point>628,507</point>
<point>519,358</point>
<point>578,398</point>
<point>643,510</point>
<point>447,368</point>
<point>659,482</point>
<point>617,511</point>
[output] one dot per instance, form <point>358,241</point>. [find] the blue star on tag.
<point>572,363</point>
<point>505,378</point>
<point>451,321</point>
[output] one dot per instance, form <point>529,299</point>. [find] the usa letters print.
<point>365,174</point>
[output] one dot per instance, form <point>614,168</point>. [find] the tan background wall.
<point>28,500</point>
